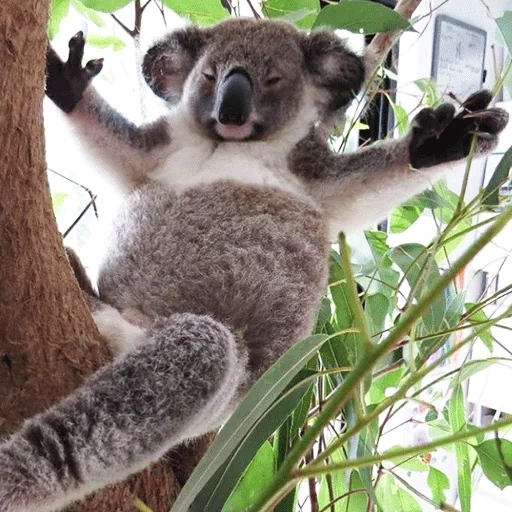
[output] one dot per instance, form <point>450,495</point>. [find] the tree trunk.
<point>48,340</point>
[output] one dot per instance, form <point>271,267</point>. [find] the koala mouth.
<point>234,132</point>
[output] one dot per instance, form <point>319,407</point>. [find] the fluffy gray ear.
<point>167,64</point>
<point>336,72</point>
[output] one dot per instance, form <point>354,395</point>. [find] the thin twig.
<point>77,220</point>
<point>254,11</point>
<point>123,26</point>
<point>89,191</point>
<point>138,18</point>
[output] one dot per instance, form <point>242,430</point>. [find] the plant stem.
<point>368,361</point>
<point>403,452</point>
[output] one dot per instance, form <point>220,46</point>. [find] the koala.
<point>216,261</point>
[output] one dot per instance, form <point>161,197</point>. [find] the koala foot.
<point>67,81</point>
<point>441,135</point>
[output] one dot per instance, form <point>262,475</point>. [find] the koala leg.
<point>180,383</point>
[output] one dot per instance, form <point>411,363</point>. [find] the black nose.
<point>235,99</point>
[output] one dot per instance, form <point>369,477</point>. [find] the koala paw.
<point>67,81</point>
<point>441,135</point>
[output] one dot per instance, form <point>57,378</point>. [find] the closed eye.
<point>272,80</point>
<point>209,76</point>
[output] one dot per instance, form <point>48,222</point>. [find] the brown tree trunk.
<point>48,340</point>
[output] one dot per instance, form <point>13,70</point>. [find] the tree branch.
<point>131,33</point>
<point>381,44</point>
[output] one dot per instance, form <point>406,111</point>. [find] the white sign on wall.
<point>458,59</point>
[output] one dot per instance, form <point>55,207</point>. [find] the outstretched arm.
<point>359,189</point>
<point>126,151</point>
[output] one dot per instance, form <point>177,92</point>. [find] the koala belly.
<point>253,258</point>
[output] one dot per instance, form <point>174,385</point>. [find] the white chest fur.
<point>195,160</point>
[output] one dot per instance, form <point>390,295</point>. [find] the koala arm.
<point>359,189</point>
<point>124,150</point>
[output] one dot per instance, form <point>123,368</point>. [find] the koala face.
<point>247,79</point>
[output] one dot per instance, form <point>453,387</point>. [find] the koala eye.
<point>209,76</point>
<point>272,80</point>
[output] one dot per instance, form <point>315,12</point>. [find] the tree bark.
<point>48,340</point>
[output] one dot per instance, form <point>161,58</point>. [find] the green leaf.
<point>491,193</point>
<point>203,12</point>
<point>477,318</point>
<point>404,217</point>
<point>377,391</point>
<point>505,25</point>
<point>376,309</point>
<point>352,347</point>
<point>495,456</point>
<point>105,5</point>
<point>87,13</point>
<point>106,41</point>
<point>401,118</point>
<point>324,314</point>
<point>58,199</point>
<point>361,17</point>
<point>259,398</point>
<point>386,277</point>
<point>409,463</point>
<point>457,417</point>
<point>422,273</point>
<point>438,483</point>
<point>430,91</point>
<point>300,12</point>
<point>58,11</point>
<point>471,368</point>
<point>257,477</point>
<point>393,498</point>
<point>215,493</point>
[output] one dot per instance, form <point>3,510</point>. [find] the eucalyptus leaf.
<point>422,272</point>
<point>361,17</point>
<point>438,483</point>
<point>259,398</point>
<point>495,456</point>
<point>376,310</point>
<point>472,368</point>
<point>300,12</point>
<point>393,498</point>
<point>479,317</point>
<point>203,12</point>
<point>214,495</point>
<point>505,25</point>
<point>403,217</point>
<point>500,176</point>
<point>257,476</point>
<point>457,418</point>
<point>90,14</point>
<point>106,41</point>
<point>58,11</point>
<point>106,5</point>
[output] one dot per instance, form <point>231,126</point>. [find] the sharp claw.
<point>93,67</point>
<point>76,39</point>
<point>481,114</point>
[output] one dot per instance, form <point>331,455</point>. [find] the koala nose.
<point>235,99</point>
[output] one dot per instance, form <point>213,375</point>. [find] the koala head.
<point>246,79</point>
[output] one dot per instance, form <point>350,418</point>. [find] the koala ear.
<point>167,64</point>
<point>336,73</point>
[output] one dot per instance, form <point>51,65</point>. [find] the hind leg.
<point>179,383</point>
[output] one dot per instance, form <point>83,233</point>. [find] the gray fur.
<point>217,261</point>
